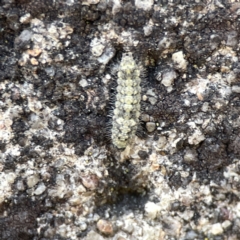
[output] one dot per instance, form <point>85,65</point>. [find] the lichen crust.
<point>126,111</point>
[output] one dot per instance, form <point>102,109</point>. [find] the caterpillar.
<point>126,111</point>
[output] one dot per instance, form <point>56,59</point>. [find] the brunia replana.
<point>126,111</point>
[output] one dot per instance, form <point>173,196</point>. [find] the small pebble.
<point>34,61</point>
<point>190,156</point>
<point>226,224</point>
<point>93,236</point>
<point>105,227</point>
<point>90,181</point>
<point>83,83</point>
<point>152,100</point>
<point>25,18</point>
<point>128,226</point>
<point>144,98</point>
<point>151,126</point>
<point>216,229</point>
<point>236,89</point>
<point>40,189</point>
<point>168,78</point>
<point>178,59</point>
<point>32,180</point>
<point>83,226</point>
<point>144,4</point>
<point>152,210</point>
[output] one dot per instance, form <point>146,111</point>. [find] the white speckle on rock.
<point>152,100</point>
<point>151,126</point>
<point>144,4</point>
<point>168,78</point>
<point>191,235</point>
<point>97,47</point>
<point>226,224</point>
<point>138,231</point>
<point>52,30</point>
<point>236,89</point>
<point>20,185</point>
<point>34,61</point>
<point>219,105</point>
<point>26,18</point>
<point>178,59</point>
<point>145,117</point>
<point>90,2</point>
<point>106,79</point>
<point>97,50</point>
<point>6,180</point>
<point>186,215</point>
<point>96,217</point>
<point>144,98</point>
<point>151,92</point>
<point>92,235</point>
<point>36,121</point>
<point>119,223</point>
<point>34,105</point>
<point>150,233</point>
<point>32,180</point>
<point>205,190</point>
<point>60,190</point>
<point>216,229</point>
<point>83,226</point>
<point>107,55</point>
<point>23,60</point>
<point>36,24</point>
<point>23,38</point>
<point>38,38</point>
<point>205,107</point>
<point>90,181</point>
<point>83,83</point>
<point>59,58</point>
<point>162,141</point>
<point>232,39</point>
<point>196,137</point>
<point>74,201</point>
<point>105,227</point>
<point>70,2</point>
<point>128,226</point>
<point>148,28</point>
<point>231,77</point>
<point>190,156</point>
<point>187,102</point>
<point>152,210</point>
<point>174,224</point>
<point>40,189</point>
<point>164,43</point>
<point>11,177</point>
<point>116,6</point>
<point>34,52</point>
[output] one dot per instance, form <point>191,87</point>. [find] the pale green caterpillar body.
<point>126,111</point>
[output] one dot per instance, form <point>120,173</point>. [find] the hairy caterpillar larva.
<point>126,111</point>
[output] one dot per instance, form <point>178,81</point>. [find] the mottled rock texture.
<point>60,176</point>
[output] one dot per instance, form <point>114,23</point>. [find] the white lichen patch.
<point>127,106</point>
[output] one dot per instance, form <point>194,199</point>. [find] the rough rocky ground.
<point>60,177</point>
